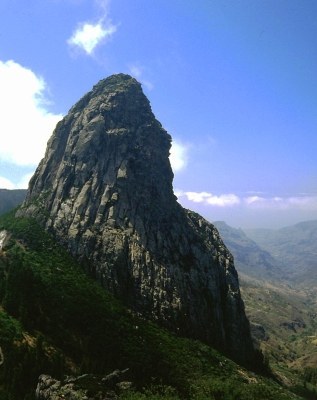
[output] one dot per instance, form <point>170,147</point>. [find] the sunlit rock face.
<point>3,238</point>
<point>104,188</point>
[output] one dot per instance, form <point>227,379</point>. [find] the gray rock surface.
<point>104,188</point>
<point>84,387</point>
<point>3,238</point>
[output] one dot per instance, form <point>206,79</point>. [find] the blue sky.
<point>233,81</point>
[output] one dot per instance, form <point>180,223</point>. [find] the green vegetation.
<point>288,316</point>
<point>280,297</point>
<point>56,320</point>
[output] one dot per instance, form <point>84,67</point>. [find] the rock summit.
<point>104,189</point>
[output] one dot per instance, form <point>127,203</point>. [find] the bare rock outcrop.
<point>84,387</point>
<point>104,188</point>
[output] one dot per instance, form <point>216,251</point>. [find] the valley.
<point>280,301</point>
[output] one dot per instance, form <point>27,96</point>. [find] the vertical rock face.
<point>104,188</point>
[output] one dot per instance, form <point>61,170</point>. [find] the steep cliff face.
<point>104,188</point>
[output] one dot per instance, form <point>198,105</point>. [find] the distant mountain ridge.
<point>250,258</point>
<point>10,199</point>
<point>295,246</point>
<point>288,254</point>
<point>277,271</point>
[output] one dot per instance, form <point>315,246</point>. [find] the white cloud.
<point>256,202</point>
<point>88,36</point>
<point>6,183</point>
<point>223,200</point>
<point>25,123</point>
<point>198,197</point>
<point>22,184</point>
<point>277,202</point>
<point>178,156</point>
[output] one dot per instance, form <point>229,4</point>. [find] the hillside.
<point>282,313</point>
<point>296,247</point>
<point>54,319</point>
<point>284,321</point>
<point>249,257</point>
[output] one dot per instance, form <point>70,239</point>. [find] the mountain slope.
<point>54,319</point>
<point>104,189</point>
<point>282,313</point>
<point>296,247</point>
<point>249,257</point>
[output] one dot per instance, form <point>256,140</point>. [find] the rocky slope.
<point>104,188</point>
<point>55,320</point>
<point>281,310</point>
<point>85,387</point>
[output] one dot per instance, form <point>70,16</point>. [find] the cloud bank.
<point>25,124</point>
<point>251,202</point>
<point>278,202</point>
<point>223,200</point>
<point>6,183</point>
<point>22,184</point>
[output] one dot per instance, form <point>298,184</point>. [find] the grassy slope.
<point>289,318</point>
<point>276,302</point>
<point>56,320</point>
